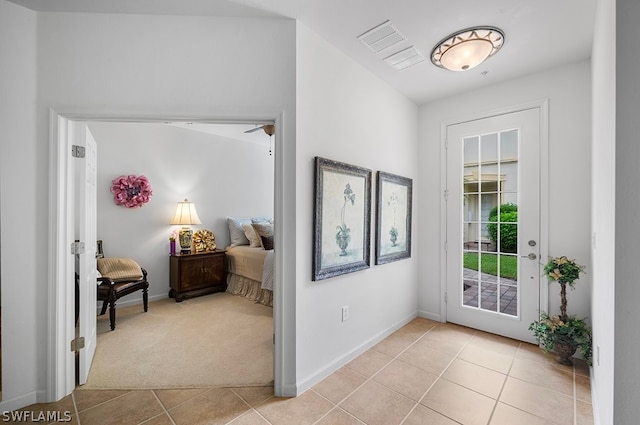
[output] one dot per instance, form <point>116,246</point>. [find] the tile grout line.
<point>106,401</point>
<point>335,407</point>
<point>164,410</point>
<point>419,402</point>
<point>370,378</point>
<point>251,408</point>
<point>504,384</point>
<point>75,406</point>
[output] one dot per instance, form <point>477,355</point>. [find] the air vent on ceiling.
<point>382,37</point>
<point>405,58</point>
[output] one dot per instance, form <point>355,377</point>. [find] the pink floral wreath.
<point>131,191</point>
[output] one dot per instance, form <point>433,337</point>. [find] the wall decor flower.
<point>131,191</point>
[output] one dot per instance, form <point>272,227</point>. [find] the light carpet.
<point>218,340</point>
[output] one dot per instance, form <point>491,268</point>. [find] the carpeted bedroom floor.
<point>218,340</point>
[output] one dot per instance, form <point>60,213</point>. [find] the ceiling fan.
<point>269,129</point>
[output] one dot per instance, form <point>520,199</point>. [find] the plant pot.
<point>343,239</point>
<point>564,351</point>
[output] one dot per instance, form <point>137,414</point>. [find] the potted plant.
<point>343,237</point>
<point>563,334</point>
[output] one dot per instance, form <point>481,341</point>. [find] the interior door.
<point>493,223</point>
<point>86,218</point>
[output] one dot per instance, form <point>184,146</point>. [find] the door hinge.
<point>446,194</point>
<point>445,298</point>
<point>77,151</point>
<point>274,339</point>
<point>77,344</point>
<point>446,246</point>
<point>77,247</point>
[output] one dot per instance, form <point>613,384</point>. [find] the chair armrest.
<point>105,281</point>
<point>144,273</point>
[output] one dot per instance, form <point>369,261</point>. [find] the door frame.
<point>543,106</point>
<point>61,305</point>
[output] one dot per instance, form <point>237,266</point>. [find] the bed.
<point>250,259</point>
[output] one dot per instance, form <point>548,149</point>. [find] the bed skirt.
<point>249,288</point>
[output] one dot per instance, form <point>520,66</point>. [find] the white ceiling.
<point>539,34</point>
<point>228,130</point>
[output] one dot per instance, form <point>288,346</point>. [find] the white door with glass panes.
<point>493,273</point>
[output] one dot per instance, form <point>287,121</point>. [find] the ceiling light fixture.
<point>467,48</point>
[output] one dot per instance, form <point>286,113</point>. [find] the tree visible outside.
<point>507,241</point>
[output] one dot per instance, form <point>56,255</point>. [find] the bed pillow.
<point>265,231</point>
<point>250,233</point>
<point>119,269</point>
<point>261,220</point>
<point>236,233</point>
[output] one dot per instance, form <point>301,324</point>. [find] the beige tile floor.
<point>425,373</point>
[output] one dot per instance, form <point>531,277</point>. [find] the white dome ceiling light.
<point>467,48</point>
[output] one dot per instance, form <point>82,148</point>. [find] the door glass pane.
<point>490,223</point>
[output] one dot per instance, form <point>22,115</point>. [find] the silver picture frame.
<point>342,219</point>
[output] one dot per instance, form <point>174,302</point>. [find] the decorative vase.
<point>343,239</point>
<point>185,235</point>
<point>172,247</point>
<point>564,350</point>
<point>394,236</point>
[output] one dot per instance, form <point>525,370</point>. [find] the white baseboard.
<point>431,316</point>
<point>133,301</point>
<point>329,369</point>
<point>20,402</point>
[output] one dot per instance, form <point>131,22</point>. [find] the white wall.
<point>604,206</point>
<point>346,114</point>
<point>627,204</point>
<point>568,91</point>
<point>23,231</point>
<point>222,176</point>
<point>116,65</point>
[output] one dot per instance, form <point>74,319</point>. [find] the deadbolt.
<point>532,243</point>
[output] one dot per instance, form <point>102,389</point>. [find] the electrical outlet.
<point>345,313</point>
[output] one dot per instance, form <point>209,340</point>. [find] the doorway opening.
<point>198,161</point>
<point>62,365</point>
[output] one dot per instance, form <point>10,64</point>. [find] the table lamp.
<point>186,216</point>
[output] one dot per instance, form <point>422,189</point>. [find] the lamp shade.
<point>186,214</point>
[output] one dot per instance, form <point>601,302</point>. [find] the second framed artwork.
<point>393,214</point>
<point>342,218</point>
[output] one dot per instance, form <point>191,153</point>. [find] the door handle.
<point>531,256</point>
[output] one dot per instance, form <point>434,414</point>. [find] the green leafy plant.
<point>565,329</point>
<point>508,238</point>
<point>565,272</point>
<point>551,330</point>
<point>508,207</point>
<point>394,235</point>
<point>343,236</point>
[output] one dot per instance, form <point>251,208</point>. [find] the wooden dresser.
<point>191,275</point>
